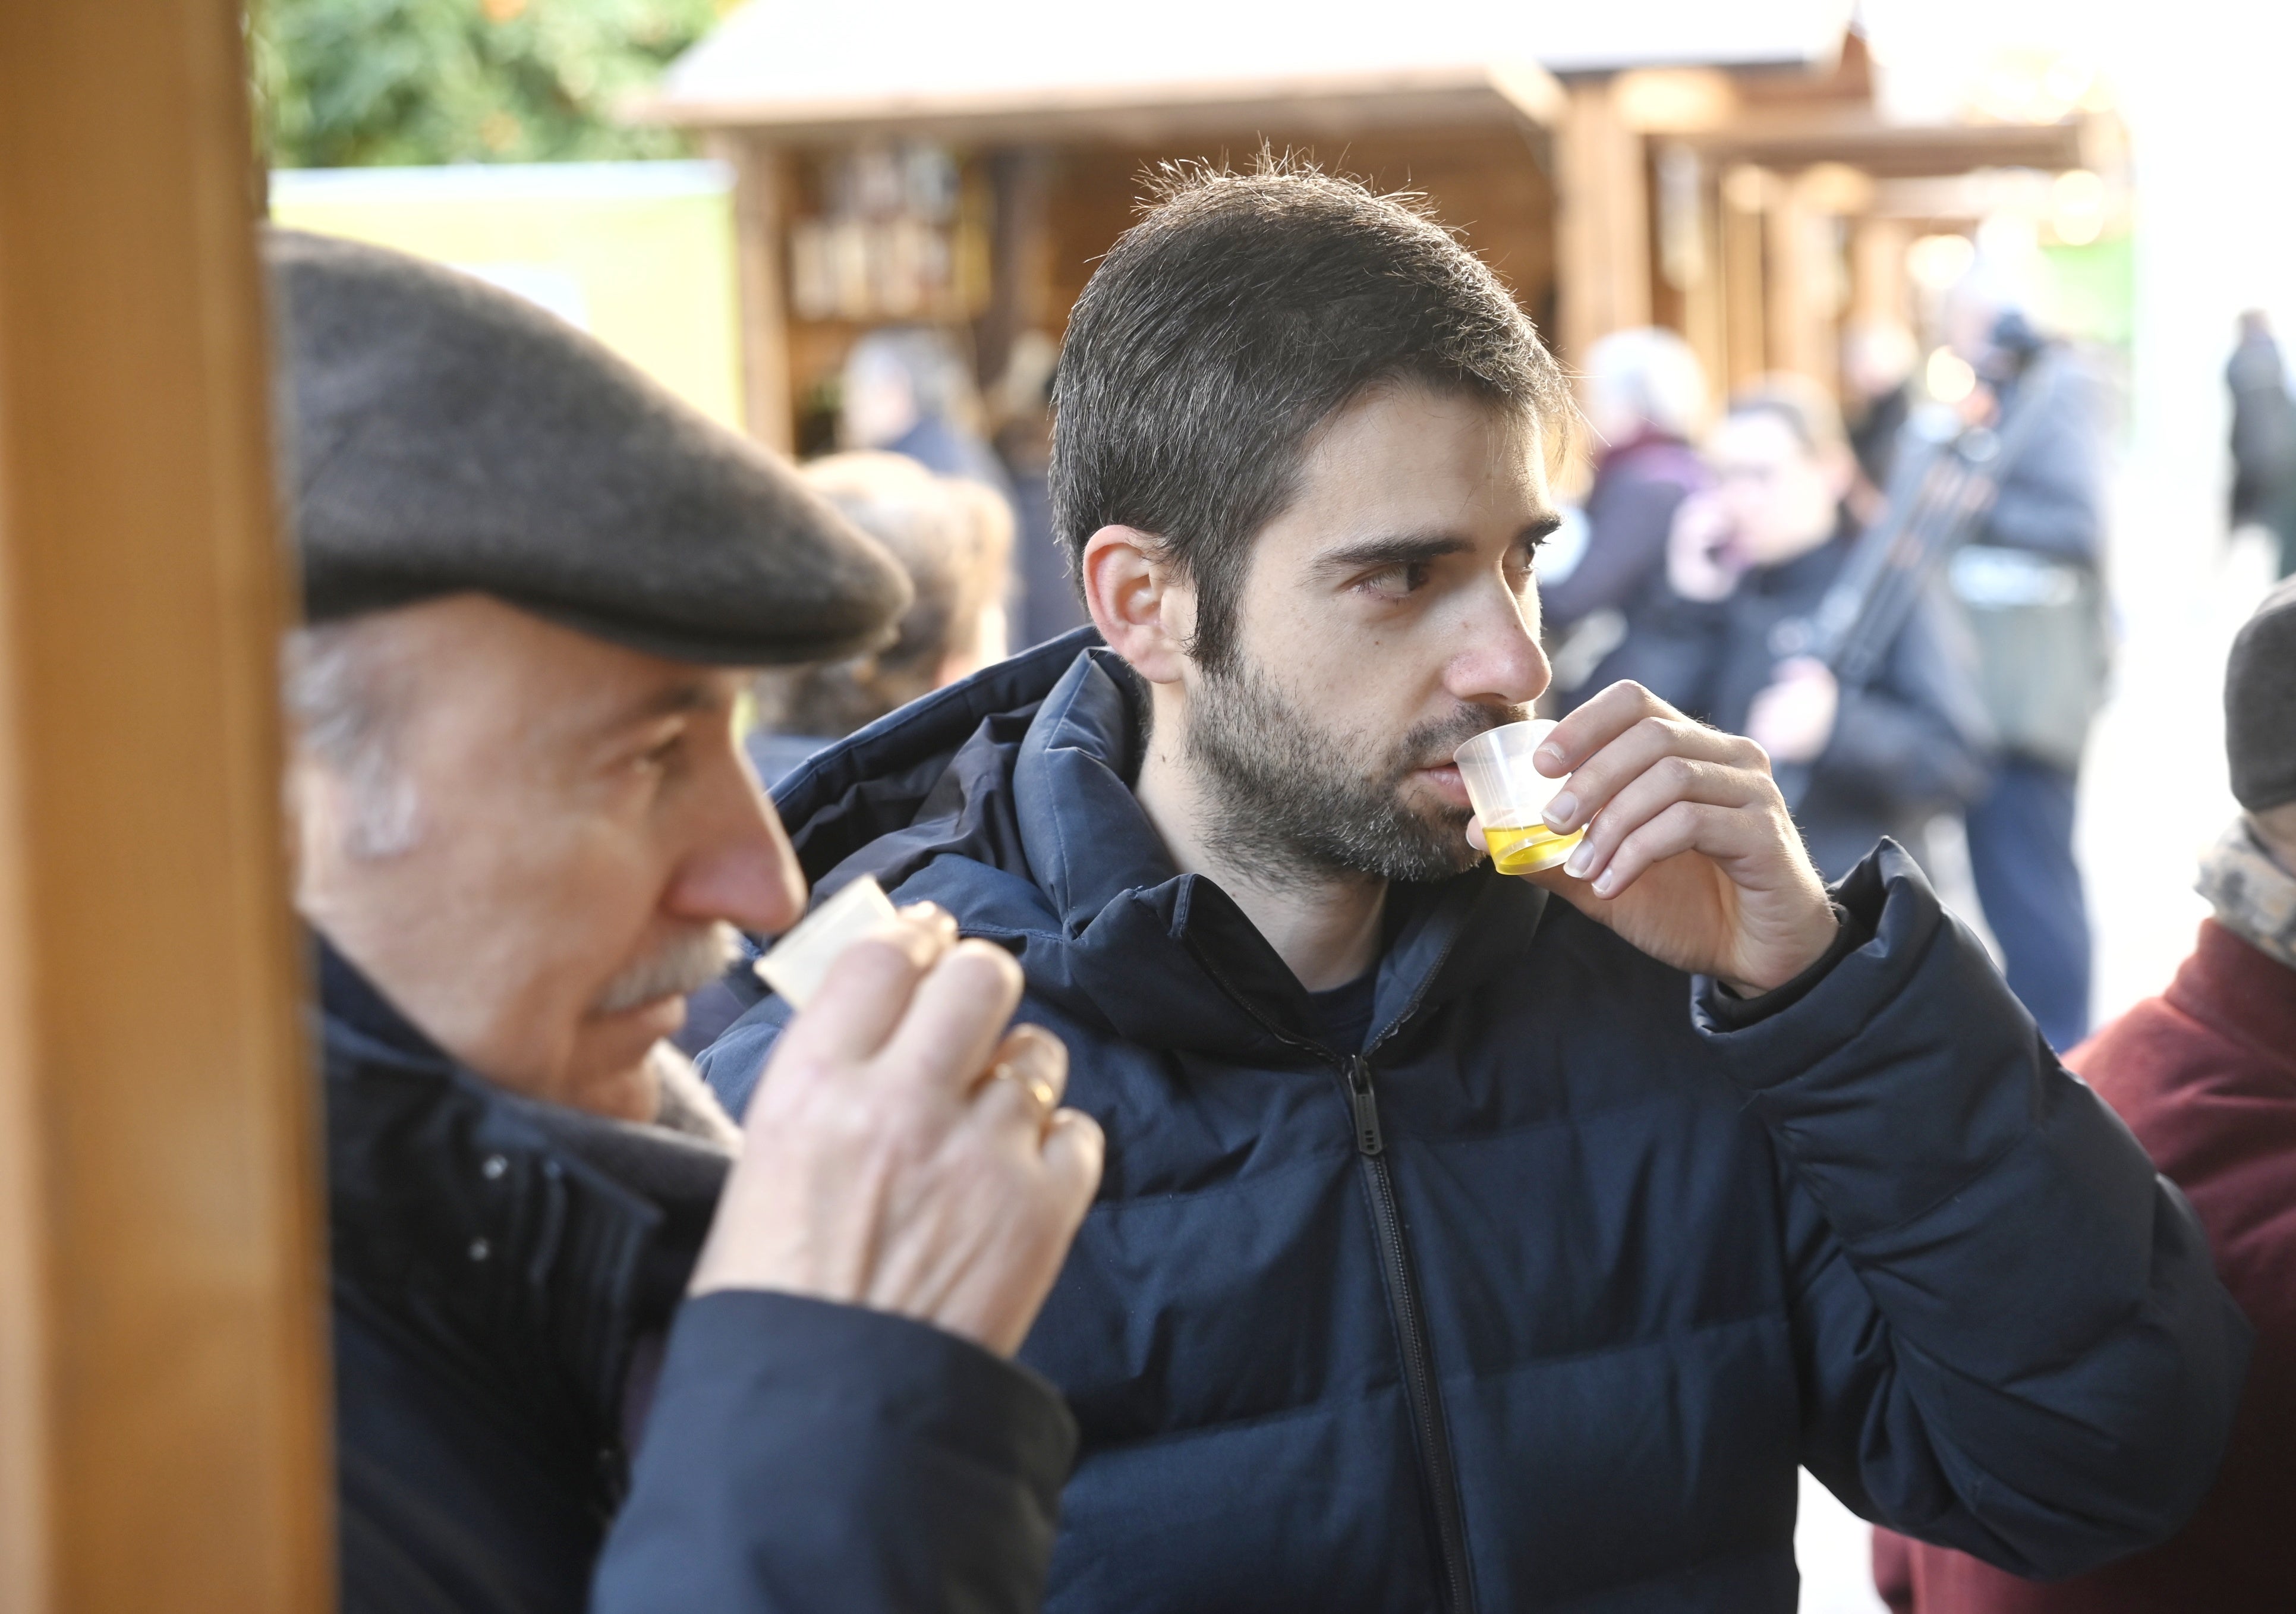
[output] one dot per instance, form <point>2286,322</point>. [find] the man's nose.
<point>1500,662</point>
<point>740,866</point>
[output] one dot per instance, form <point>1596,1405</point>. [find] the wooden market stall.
<point>1715,170</point>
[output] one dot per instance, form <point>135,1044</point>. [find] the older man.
<point>525,825</point>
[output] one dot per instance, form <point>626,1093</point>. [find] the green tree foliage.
<point>347,83</point>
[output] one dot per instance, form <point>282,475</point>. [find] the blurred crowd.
<point>1708,538</point>
<point>1711,549</point>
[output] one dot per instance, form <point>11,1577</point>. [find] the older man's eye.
<point>662,755</point>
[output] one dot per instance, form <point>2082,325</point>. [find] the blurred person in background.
<point>568,1293</point>
<point>906,389</point>
<point>1760,551</point>
<point>1645,403</point>
<point>2031,583</point>
<point>2263,439</point>
<point>1460,1247</point>
<point>2205,1076</point>
<point>954,539</point>
<point>1877,384</point>
<point>1048,604</point>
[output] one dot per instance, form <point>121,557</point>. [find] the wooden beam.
<point>163,1365</point>
<point>760,245</point>
<point>1604,203</point>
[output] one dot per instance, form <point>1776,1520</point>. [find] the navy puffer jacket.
<point>1539,1300</point>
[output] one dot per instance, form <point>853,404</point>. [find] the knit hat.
<point>2260,704</point>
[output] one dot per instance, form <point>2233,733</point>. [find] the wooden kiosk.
<point>967,169</point>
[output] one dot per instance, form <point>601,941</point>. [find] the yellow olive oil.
<point>1527,848</point>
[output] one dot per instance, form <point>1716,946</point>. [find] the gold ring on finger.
<point>1036,1087</point>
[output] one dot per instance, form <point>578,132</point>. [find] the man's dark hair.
<point>1237,316</point>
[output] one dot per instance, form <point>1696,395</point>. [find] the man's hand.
<point>1792,719</point>
<point>903,1152</point>
<point>1701,562</point>
<point>1690,853</point>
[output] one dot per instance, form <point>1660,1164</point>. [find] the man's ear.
<point>1142,607</point>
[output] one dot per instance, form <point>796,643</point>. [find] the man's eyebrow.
<point>1413,548</point>
<point>671,700</point>
<point>1397,550</point>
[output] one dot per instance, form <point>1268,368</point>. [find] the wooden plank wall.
<point>162,1380</point>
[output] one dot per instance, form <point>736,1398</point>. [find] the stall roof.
<point>1049,67</point>
<point>1889,150</point>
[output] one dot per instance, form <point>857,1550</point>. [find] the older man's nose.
<point>742,869</point>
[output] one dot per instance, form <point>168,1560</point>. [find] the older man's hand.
<point>905,1152</point>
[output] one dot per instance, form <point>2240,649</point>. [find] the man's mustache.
<point>679,966</point>
<point>1430,745</point>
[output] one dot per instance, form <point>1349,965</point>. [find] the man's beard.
<point>688,961</point>
<point>1291,800</point>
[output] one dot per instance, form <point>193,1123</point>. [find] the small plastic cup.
<point>1511,796</point>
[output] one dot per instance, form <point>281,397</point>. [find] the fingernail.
<point>1604,882</point>
<point>1550,760</point>
<point>1562,810</point>
<point>1582,859</point>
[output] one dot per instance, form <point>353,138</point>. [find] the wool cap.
<point>438,436</point>
<point>2260,704</point>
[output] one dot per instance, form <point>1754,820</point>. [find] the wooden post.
<point>162,1362</point>
<point>1603,200</point>
<point>1880,292</point>
<point>1019,256</point>
<point>760,191</point>
<point>1792,287</point>
<point>1744,193</point>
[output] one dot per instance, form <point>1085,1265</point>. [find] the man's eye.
<point>1398,581</point>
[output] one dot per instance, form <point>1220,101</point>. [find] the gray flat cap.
<point>440,436</point>
<point>2260,704</point>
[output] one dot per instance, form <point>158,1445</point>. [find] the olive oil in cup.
<point>1510,795</point>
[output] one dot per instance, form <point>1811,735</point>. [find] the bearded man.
<point>1465,1242</point>
<point>525,827</point>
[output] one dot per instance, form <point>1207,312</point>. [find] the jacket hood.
<point>1008,799</point>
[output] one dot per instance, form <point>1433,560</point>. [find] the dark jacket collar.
<point>1025,771</point>
<point>522,1249</point>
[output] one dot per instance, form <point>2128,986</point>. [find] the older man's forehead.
<point>610,706</point>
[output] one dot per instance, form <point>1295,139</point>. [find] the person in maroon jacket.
<point>2205,1076</point>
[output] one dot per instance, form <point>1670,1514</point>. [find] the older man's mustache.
<point>681,965</point>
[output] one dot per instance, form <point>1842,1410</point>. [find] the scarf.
<point>2254,897</point>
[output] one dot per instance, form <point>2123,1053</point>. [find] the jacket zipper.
<point>1418,1370</point>
<point>1395,1263</point>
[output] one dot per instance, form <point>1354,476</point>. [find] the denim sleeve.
<point>805,1456</point>
<point>2010,1332</point>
